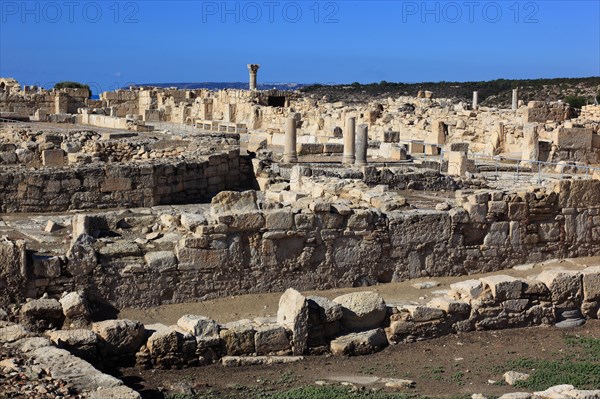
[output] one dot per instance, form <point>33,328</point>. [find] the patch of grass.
<point>580,367</point>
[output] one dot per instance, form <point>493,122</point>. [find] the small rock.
<point>512,377</point>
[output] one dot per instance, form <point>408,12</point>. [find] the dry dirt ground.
<point>451,366</point>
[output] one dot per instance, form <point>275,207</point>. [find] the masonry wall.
<point>261,251</point>
<point>118,185</point>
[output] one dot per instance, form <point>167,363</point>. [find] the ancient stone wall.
<point>118,185</point>
<point>319,245</point>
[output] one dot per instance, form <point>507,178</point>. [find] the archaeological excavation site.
<point>172,243</point>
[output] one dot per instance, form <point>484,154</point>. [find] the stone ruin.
<point>152,196</point>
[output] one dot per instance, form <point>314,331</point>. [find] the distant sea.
<point>218,86</point>
<point>225,85</point>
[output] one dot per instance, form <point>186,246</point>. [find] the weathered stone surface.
<point>74,306</point>
<point>12,272</point>
<point>591,284</point>
<point>119,337</point>
<point>81,256</point>
<point>362,343</point>
<point>42,314</point>
<point>329,311</point>
<point>362,310</point>
<point>163,341</point>
<point>504,287</point>
<point>233,201</point>
<point>450,306</point>
<point>420,313</point>
<point>238,338</point>
<point>13,333</point>
<point>65,366</point>
<point>161,260</point>
<point>199,326</point>
<point>271,338</point>
<point>293,315</point>
<point>565,287</point>
<point>468,289</point>
<point>81,343</point>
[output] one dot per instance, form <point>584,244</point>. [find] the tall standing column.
<point>289,150</point>
<point>475,100</point>
<point>349,141</point>
<point>515,99</point>
<point>362,142</point>
<point>253,69</point>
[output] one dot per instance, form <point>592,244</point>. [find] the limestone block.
<point>467,289</point>
<point>199,326</point>
<point>573,138</point>
<point>42,314</point>
<point>459,215</point>
<point>229,201</point>
<point>578,193</point>
<point>518,211</point>
<point>591,284</point>
<point>81,343</point>
<point>163,341</point>
<point>13,333</point>
<point>271,338</point>
<point>457,163</point>
<point>247,221</point>
<point>329,311</point>
<point>450,306</point>
<point>237,338</point>
<point>420,313</point>
<point>477,212</point>
<point>504,287</point>
<point>111,184</point>
<point>497,235</point>
<point>362,310</point>
<point>362,343</point>
<point>161,260</point>
<point>119,337</point>
<point>74,306</point>
<point>565,287</point>
<point>192,220</point>
<point>236,361</point>
<point>293,314</point>
<point>53,158</point>
<point>279,220</point>
<point>81,256</point>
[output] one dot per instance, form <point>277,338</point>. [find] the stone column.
<point>289,150</point>
<point>475,100</point>
<point>515,99</point>
<point>362,142</point>
<point>253,69</point>
<point>349,141</point>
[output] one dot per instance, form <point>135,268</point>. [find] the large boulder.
<point>293,314</point>
<point>42,314</point>
<point>271,339</point>
<point>119,337</point>
<point>362,310</point>
<point>362,343</point>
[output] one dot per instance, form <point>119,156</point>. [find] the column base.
<point>348,160</point>
<point>290,159</point>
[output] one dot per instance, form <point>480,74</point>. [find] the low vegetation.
<point>491,93</point>
<point>579,367</point>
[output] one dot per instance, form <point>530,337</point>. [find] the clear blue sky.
<point>109,44</point>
